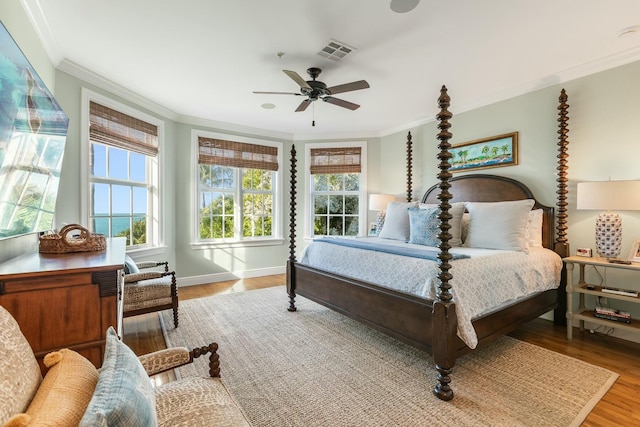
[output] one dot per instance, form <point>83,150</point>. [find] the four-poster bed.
<point>431,324</point>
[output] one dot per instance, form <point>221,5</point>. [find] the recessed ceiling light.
<point>629,31</point>
<point>268,106</point>
<point>403,6</point>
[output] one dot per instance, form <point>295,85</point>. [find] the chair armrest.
<point>136,277</point>
<point>165,360</point>
<point>151,264</point>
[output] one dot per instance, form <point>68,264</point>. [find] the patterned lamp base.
<point>379,221</point>
<point>608,235</point>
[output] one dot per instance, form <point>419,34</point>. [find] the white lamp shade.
<point>609,195</point>
<point>379,202</point>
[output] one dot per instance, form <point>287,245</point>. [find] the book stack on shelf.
<point>612,314</point>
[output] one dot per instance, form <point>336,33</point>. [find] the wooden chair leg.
<point>174,299</point>
<point>175,313</point>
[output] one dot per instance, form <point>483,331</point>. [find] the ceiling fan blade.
<point>277,93</point>
<point>348,87</point>
<point>303,105</point>
<point>341,103</point>
<point>296,78</point>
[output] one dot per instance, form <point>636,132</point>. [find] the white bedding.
<point>480,284</point>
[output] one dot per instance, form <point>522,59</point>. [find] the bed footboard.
<point>403,316</point>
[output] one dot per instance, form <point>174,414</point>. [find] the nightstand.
<point>583,288</point>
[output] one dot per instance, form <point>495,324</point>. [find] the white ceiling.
<point>201,59</point>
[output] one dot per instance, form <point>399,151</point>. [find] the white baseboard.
<point>223,277</point>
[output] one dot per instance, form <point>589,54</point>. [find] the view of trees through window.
<point>221,215</point>
<point>336,204</point>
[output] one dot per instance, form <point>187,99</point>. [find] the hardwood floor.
<point>619,407</point>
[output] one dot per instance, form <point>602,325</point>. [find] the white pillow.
<point>396,222</point>
<point>534,228</point>
<point>456,211</point>
<point>499,225</point>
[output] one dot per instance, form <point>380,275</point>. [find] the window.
<point>237,190</point>
<point>336,182</point>
<point>123,174</point>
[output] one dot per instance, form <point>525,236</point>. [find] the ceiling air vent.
<point>335,50</point>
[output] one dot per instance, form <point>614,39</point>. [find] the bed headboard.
<point>494,188</point>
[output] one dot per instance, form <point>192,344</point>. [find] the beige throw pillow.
<point>64,394</point>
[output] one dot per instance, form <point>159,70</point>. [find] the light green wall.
<point>603,134</point>
<point>604,131</point>
<point>212,264</point>
<point>68,209</point>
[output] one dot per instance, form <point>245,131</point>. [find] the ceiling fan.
<point>315,89</point>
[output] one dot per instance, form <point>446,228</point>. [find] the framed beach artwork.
<point>33,131</point>
<point>492,152</point>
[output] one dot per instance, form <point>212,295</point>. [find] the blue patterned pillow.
<point>130,266</point>
<point>124,395</point>
<point>424,226</point>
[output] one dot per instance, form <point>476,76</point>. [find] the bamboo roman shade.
<point>120,130</point>
<point>335,160</point>
<point>237,154</point>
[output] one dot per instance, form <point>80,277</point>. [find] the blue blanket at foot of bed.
<point>376,245</point>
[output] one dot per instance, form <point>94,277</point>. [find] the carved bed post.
<point>409,157</point>
<point>561,246</point>
<point>291,283</point>
<point>444,313</point>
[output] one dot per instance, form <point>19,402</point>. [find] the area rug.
<point>315,367</point>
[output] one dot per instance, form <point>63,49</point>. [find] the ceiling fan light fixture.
<point>315,89</point>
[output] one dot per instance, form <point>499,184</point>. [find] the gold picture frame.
<point>492,152</point>
<point>634,255</point>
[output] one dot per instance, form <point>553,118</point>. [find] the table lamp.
<point>609,196</point>
<point>379,202</point>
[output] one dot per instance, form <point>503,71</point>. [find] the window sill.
<point>146,252</point>
<point>236,244</point>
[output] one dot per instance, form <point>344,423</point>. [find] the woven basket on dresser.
<point>65,242</point>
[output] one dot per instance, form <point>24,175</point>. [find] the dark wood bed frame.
<point>431,325</point>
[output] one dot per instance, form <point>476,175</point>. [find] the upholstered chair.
<point>149,291</point>
<point>74,392</point>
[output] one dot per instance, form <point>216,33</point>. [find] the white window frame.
<point>362,208</point>
<point>278,185</point>
<point>155,243</point>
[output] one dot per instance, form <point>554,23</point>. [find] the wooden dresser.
<point>65,300</point>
